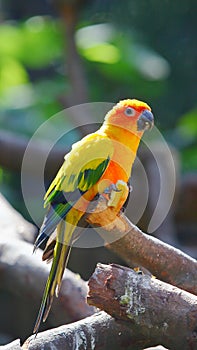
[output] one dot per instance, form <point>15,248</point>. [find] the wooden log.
<point>99,331</point>
<point>158,309</point>
<point>14,345</point>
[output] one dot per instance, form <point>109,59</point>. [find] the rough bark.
<point>159,347</point>
<point>14,345</point>
<point>157,308</point>
<point>99,331</point>
<point>137,248</point>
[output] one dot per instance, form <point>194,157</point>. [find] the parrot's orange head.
<point>132,115</point>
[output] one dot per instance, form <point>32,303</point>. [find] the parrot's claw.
<point>118,194</point>
<point>111,188</point>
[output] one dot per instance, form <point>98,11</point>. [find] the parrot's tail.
<point>60,260</point>
<point>55,214</point>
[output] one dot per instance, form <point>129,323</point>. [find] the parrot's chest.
<point>116,171</point>
<point>121,162</point>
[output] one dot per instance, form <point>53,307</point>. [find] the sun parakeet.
<point>100,163</point>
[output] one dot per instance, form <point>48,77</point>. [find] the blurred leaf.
<point>12,73</point>
<point>43,41</point>
<point>149,63</point>
<point>189,159</point>
<point>104,53</point>
<point>103,43</point>
<point>1,175</point>
<point>11,40</point>
<point>187,125</point>
<point>36,42</point>
<point>53,88</point>
<point>185,137</point>
<point>92,35</point>
<point>19,96</point>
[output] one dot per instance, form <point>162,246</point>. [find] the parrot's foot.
<point>111,188</point>
<point>118,194</point>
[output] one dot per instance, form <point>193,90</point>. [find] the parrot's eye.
<point>130,112</point>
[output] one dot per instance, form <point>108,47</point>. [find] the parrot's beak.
<point>145,121</point>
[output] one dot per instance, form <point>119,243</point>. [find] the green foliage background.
<point>144,49</point>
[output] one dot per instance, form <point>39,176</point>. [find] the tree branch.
<point>13,225</point>
<point>145,303</point>
<point>99,331</point>
<point>13,148</point>
<point>69,12</point>
<point>28,274</point>
<point>137,248</point>
<point>14,345</point>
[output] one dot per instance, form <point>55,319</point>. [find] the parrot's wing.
<point>82,168</point>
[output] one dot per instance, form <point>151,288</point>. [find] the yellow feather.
<point>85,154</point>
